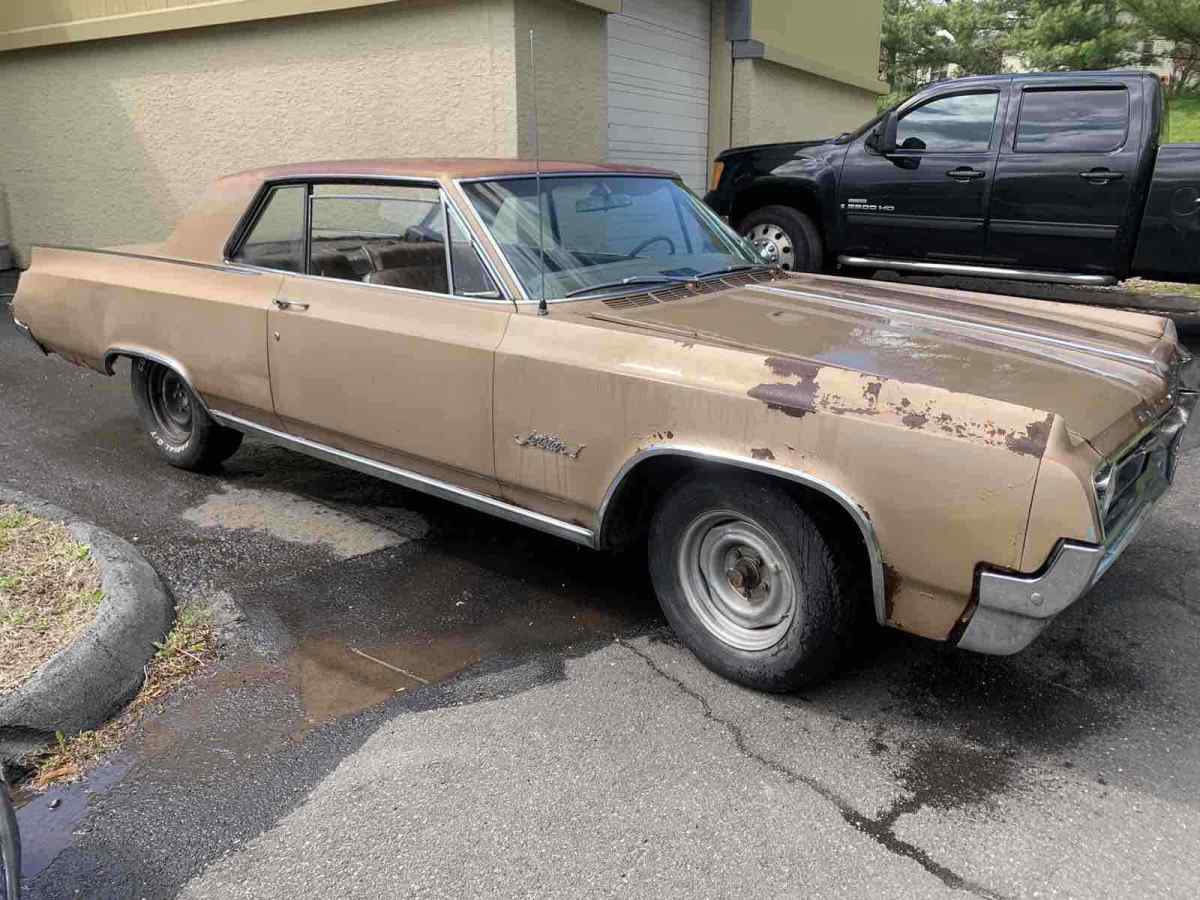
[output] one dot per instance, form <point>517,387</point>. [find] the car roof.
<point>446,168</point>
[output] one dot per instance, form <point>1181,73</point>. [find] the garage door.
<point>658,86</point>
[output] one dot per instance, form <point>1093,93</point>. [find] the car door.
<point>929,198</point>
<point>1065,176</point>
<point>370,350</point>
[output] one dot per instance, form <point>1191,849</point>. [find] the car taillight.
<point>717,170</point>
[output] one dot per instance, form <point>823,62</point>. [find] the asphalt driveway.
<point>418,700</point>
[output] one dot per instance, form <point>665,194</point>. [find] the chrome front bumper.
<point>1012,609</point>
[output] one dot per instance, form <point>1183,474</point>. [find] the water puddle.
<point>49,821</point>
<point>289,517</point>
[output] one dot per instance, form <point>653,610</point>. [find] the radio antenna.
<point>537,156</point>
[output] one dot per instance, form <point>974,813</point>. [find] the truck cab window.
<point>1073,121</point>
<point>961,123</point>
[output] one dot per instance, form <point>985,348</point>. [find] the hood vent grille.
<point>694,289</point>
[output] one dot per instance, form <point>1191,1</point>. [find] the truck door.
<point>928,199</point>
<point>1065,177</point>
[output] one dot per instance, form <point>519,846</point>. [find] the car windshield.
<point>605,232</point>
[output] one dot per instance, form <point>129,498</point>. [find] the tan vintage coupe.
<point>796,450</point>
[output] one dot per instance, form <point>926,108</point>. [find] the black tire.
<point>793,235</point>
<point>819,557</point>
<point>184,434</point>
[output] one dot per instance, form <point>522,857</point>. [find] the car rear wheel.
<point>762,590</point>
<point>184,434</point>
<point>785,237</point>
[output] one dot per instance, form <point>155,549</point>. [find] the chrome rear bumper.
<point>1012,609</point>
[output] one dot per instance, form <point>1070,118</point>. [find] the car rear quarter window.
<point>1073,120</point>
<point>276,241</point>
<point>959,123</point>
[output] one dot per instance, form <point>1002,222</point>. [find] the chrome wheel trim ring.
<point>774,244</point>
<point>736,580</point>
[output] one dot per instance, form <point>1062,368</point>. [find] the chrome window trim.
<point>448,204</point>
<point>497,283</point>
<point>414,481</point>
<point>482,228</point>
<point>857,513</point>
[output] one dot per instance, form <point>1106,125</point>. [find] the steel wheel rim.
<point>736,580</point>
<point>171,403</point>
<point>774,244</point>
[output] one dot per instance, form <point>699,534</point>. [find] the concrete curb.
<point>85,684</point>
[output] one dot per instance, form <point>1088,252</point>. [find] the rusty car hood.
<point>1102,371</point>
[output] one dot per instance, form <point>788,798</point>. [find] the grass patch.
<point>1184,120</point>
<point>191,644</point>
<point>1144,286</point>
<point>49,592</point>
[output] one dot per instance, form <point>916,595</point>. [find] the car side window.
<point>1079,121</point>
<point>470,276</point>
<point>379,234</point>
<point>276,240</point>
<point>959,123</point>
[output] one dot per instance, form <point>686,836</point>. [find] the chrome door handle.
<point>965,173</point>
<point>289,304</point>
<point>1101,176</point>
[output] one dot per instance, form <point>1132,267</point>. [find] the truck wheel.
<point>786,237</point>
<point>760,589</point>
<point>183,433</point>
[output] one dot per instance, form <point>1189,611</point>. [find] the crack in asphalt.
<point>880,829</point>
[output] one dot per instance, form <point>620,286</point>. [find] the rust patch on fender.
<point>795,400</point>
<point>891,586</point>
<point>786,367</point>
<point>1033,441</point>
<point>761,453</point>
<point>915,420</point>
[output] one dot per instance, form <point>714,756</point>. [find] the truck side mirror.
<point>885,135</point>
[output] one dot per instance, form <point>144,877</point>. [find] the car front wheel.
<point>762,590</point>
<point>184,434</point>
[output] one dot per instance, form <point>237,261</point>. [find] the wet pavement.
<point>417,699</point>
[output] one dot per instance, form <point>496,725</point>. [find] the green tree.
<point>1054,35</point>
<point>1176,21</point>
<point>912,45</point>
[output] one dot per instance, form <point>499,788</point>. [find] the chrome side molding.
<point>936,268</point>
<point>413,480</point>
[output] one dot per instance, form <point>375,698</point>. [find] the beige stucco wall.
<point>109,142</point>
<point>572,76</point>
<point>772,102</point>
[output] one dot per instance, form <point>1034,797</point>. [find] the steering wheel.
<point>654,240</point>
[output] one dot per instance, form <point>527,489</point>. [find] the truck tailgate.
<point>1168,244</point>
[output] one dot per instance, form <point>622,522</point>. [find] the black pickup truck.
<point>1055,177</point>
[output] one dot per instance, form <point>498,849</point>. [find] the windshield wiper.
<point>729,269</point>
<point>632,279</point>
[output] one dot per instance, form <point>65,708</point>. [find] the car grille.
<point>692,289</point>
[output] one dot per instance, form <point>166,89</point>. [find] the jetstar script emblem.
<point>551,443</point>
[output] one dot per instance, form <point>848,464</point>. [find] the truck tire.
<point>761,589</point>
<point>789,237</point>
<point>184,434</point>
